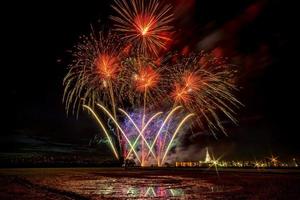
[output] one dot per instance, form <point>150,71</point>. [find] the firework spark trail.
<point>143,121</point>
<point>174,135</point>
<point>162,143</point>
<point>115,115</point>
<point>140,131</point>
<point>162,126</point>
<point>104,129</point>
<point>119,127</point>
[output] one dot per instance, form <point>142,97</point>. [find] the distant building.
<point>206,163</point>
<point>207,157</point>
<point>187,164</point>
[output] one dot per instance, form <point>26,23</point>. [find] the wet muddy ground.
<point>117,183</point>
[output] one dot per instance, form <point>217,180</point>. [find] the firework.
<point>119,127</point>
<point>174,135</point>
<point>146,78</point>
<point>148,96</point>
<point>144,23</point>
<point>146,133</point>
<point>161,128</point>
<point>145,85</point>
<point>104,130</point>
<point>204,84</point>
<point>140,132</point>
<point>144,81</point>
<point>94,74</point>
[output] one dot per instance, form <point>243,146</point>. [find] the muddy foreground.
<point>117,183</point>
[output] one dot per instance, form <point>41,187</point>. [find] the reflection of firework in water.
<point>107,75</point>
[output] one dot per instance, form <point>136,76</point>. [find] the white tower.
<point>207,157</point>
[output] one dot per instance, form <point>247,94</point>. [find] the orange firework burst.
<point>191,81</point>
<point>108,66</point>
<point>203,85</point>
<point>180,94</point>
<point>146,78</point>
<point>144,24</point>
<point>94,72</point>
<point>189,84</point>
<point>142,74</point>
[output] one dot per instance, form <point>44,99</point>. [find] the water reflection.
<point>136,191</point>
<point>160,187</point>
<point>159,192</point>
<point>145,187</point>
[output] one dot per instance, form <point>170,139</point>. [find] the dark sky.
<point>255,34</point>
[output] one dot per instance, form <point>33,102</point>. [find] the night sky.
<point>256,35</point>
